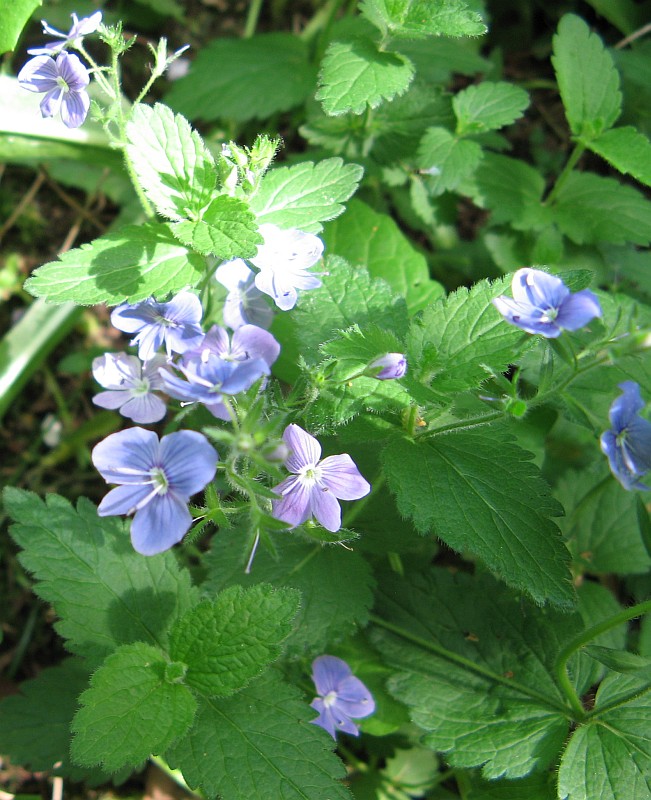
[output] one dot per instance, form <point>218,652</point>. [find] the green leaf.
<point>483,496</point>
<point>335,584</point>
<point>227,229</point>
<point>589,208</point>
<point>533,787</point>
<point>464,333</point>
<point>35,724</point>
<point>508,715</point>
<point>488,106</point>
<point>365,237</point>
<point>619,660</point>
<point>587,78</point>
<point>265,729</point>
<point>228,642</point>
<point>416,19</point>
<point>131,710</point>
<point>447,159</point>
<point>105,601</point>
<point>627,150</point>
<point>355,74</point>
<point>601,524</point>
<point>173,165</point>
<point>610,756</point>
<point>239,79</point>
<point>169,8</point>
<point>14,16</point>
<point>131,264</point>
<point>306,194</point>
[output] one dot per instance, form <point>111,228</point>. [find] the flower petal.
<point>538,289</point>
<point>626,407</point>
<point>325,719</point>
<point>113,399</point>
<point>39,74</point>
<point>578,310</point>
<point>328,672</point>
<point>341,476</point>
<point>244,375</point>
<point>354,698</point>
<point>250,341</point>
<point>163,522</point>
<point>325,508</point>
<point>144,408</point>
<point>126,456</point>
<point>74,108</point>
<point>305,450</point>
<point>189,461</point>
<point>122,500</point>
<point>294,507</point>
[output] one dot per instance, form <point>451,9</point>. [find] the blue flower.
<point>175,324</point>
<point>130,385</point>
<point>543,304</point>
<point>157,479</point>
<point>394,366</point>
<point>316,485</point>
<point>248,342</point>
<point>245,303</point>
<point>80,28</point>
<point>342,696</point>
<point>64,81</point>
<point>628,443</point>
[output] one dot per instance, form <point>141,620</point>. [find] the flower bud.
<point>394,365</point>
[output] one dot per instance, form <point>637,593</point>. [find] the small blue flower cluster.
<point>60,75</point>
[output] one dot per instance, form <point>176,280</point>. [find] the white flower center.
<point>549,315</point>
<point>140,387</point>
<point>159,480</point>
<point>330,699</point>
<point>310,475</point>
<point>61,82</point>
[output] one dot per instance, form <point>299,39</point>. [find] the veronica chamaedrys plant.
<point>175,324</point>
<point>316,485</point>
<point>284,259</point>
<point>157,479</point>
<point>79,28</point>
<point>247,342</point>
<point>341,696</point>
<point>543,304</point>
<point>392,366</point>
<point>628,443</point>
<point>63,80</point>
<point>245,304</point>
<point>130,386</point>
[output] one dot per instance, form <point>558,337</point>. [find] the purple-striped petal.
<point>189,460</point>
<point>250,341</point>
<point>325,508</point>
<point>122,500</point>
<point>294,507</point>
<point>126,456</point>
<point>577,310</point>
<point>144,408</point>
<point>341,476</point>
<point>111,400</point>
<point>305,450</point>
<point>162,523</point>
<point>74,108</point>
<point>328,672</point>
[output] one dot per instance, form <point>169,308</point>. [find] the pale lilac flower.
<point>394,365</point>
<point>247,342</point>
<point>210,377</point>
<point>176,324</point>
<point>245,303</point>
<point>64,81</point>
<point>283,260</point>
<point>157,480</point>
<point>628,443</point>
<point>316,485</point>
<point>543,304</point>
<point>80,28</point>
<point>342,696</point>
<point>130,385</point>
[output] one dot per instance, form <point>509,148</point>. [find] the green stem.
<point>463,424</point>
<point>560,666</point>
<point>252,18</point>
<point>567,169</point>
<point>97,72</point>
<point>472,666</point>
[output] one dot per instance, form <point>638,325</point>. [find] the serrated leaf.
<point>265,729</point>
<point>227,229</point>
<point>228,642</point>
<point>627,150</point>
<point>447,159</point>
<point>35,724</point>
<point>464,334</point>
<point>589,208</point>
<point>420,18</point>
<point>104,592</point>
<point>335,584</point>
<point>355,74</point>
<point>610,756</point>
<point>374,241</point>
<point>488,106</point>
<point>131,264</point>
<point>130,710</point>
<point>14,17</point>
<point>508,730</point>
<point>239,79</point>
<point>484,496</point>
<point>587,78</point>
<point>173,165</point>
<point>305,195</point>
<point>619,660</point>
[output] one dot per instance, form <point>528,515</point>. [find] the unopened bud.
<point>394,365</point>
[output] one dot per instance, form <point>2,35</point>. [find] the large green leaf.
<point>488,106</point>
<point>416,19</point>
<point>483,496</point>
<point>173,165</point>
<point>355,74</point>
<point>306,194</point>
<point>627,150</point>
<point>104,593</point>
<point>587,78</point>
<point>372,240</point>
<point>447,159</point>
<point>14,16</point>
<point>243,79</point>
<point>133,708</point>
<point>131,264</point>
<point>258,744</point>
